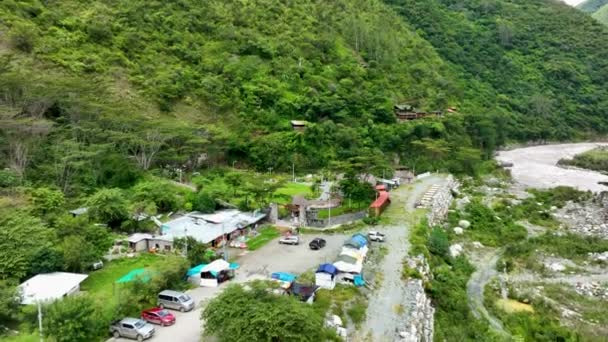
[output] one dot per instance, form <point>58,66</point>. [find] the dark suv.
<point>316,243</point>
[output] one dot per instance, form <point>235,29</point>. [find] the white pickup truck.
<point>375,236</point>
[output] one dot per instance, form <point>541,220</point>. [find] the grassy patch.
<point>292,189</point>
<point>100,283</point>
<point>540,324</point>
<point>345,208</point>
<point>345,301</point>
<point>570,246</point>
<point>596,159</point>
<point>265,235</point>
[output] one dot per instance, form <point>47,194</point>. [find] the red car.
<point>158,316</point>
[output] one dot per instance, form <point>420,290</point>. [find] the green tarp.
<point>140,274</point>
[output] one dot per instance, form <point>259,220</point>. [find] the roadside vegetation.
<point>266,234</point>
<point>252,312</point>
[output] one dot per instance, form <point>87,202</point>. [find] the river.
<point>536,167</point>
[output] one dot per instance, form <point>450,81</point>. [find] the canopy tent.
<point>140,274</point>
<point>283,276</point>
<point>195,270</point>
<point>327,268</point>
<point>361,237</point>
<point>306,293</point>
<point>354,253</point>
<point>217,266</point>
<point>354,243</point>
<point>348,267</point>
<point>347,259</point>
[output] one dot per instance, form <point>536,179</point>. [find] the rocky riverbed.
<point>536,167</point>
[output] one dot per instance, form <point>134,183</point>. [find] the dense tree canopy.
<point>256,314</point>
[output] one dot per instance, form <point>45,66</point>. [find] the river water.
<point>536,167</point>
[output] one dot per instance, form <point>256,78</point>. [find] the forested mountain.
<point>591,6</point>
<point>92,93</point>
<point>601,15</point>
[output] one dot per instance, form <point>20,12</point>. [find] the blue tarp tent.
<point>361,239</point>
<point>283,276</point>
<point>327,268</point>
<point>354,243</point>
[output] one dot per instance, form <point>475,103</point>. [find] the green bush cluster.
<point>596,159</point>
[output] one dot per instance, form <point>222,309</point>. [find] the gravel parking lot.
<point>254,265</point>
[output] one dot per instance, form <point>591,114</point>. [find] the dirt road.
<point>536,167</point>
<point>261,263</point>
<point>384,314</point>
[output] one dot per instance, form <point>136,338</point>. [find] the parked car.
<point>175,300</point>
<point>375,236</point>
<point>97,265</point>
<point>290,240</point>
<point>132,328</point>
<point>317,243</point>
<point>158,315</point>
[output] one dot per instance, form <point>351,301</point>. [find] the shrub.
<point>22,37</point>
<point>438,242</point>
<point>8,178</point>
<point>204,203</point>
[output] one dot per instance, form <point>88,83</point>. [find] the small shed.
<point>299,125</point>
<point>141,242</point>
<point>325,276</point>
<point>47,287</point>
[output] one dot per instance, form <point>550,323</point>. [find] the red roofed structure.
<point>378,206</point>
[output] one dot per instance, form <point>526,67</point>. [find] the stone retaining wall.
<point>440,201</point>
<point>335,220</point>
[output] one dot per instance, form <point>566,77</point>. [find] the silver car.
<point>134,328</point>
<point>290,240</point>
<point>175,300</point>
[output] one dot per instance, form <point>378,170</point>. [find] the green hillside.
<point>92,93</point>
<point>591,6</point>
<point>540,60</point>
<point>601,15</point>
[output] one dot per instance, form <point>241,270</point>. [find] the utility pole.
<point>40,320</point>
<point>186,245</point>
<point>270,170</point>
<point>293,172</point>
<point>329,215</point>
<point>224,245</point>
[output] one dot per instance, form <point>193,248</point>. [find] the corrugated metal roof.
<point>206,228</point>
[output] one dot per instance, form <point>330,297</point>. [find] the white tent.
<point>348,268</point>
<point>216,266</point>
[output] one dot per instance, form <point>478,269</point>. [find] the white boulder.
<point>456,250</point>
<point>458,231</point>
<point>464,224</point>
